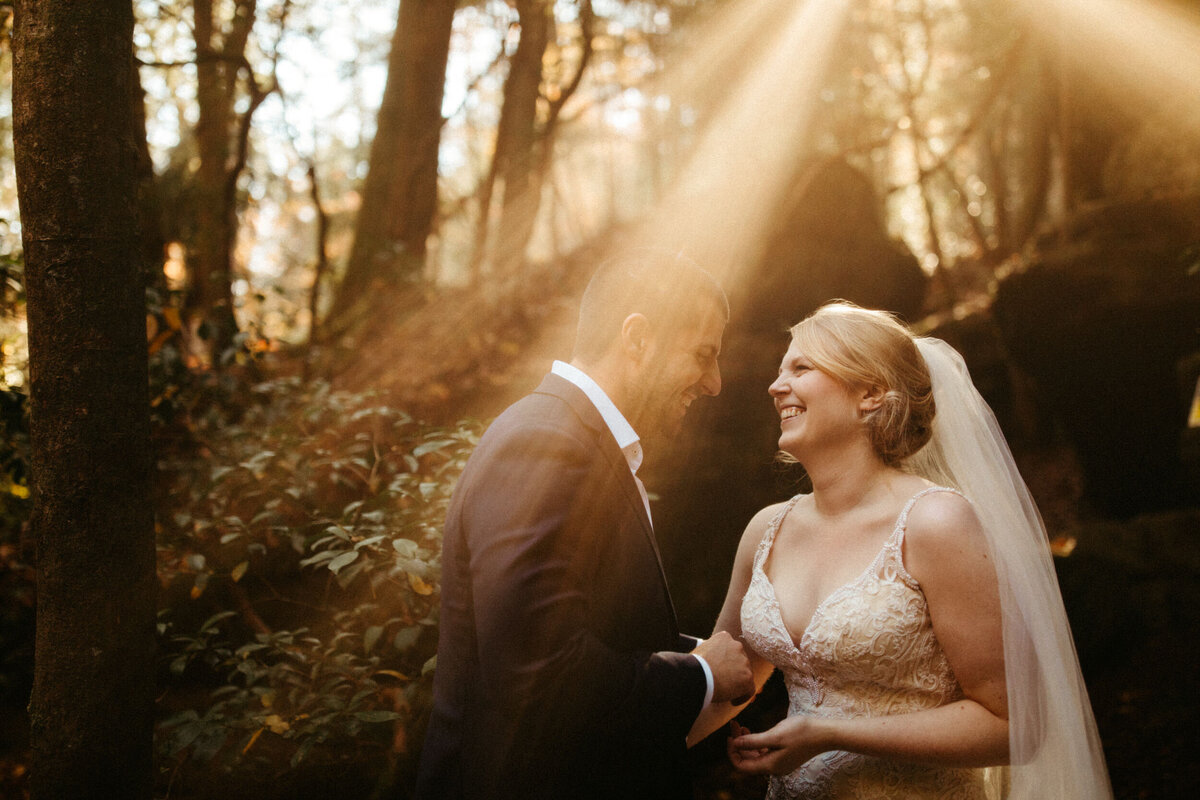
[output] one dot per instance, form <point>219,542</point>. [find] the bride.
<point>910,600</point>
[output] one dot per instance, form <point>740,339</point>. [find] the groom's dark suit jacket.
<point>551,681</point>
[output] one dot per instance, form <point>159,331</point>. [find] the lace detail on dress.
<point>869,650</point>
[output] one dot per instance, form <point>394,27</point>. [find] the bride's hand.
<point>777,751</point>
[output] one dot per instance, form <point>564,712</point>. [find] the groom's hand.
<point>732,678</point>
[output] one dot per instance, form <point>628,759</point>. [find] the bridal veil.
<point>1055,748</point>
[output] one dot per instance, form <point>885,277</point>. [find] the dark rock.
<point>1099,323</point>
<point>829,241</point>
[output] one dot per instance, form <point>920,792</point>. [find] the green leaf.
<point>215,618</point>
<point>302,751</point>
<point>210,744</point>
<point>371,636</point>
<point>429,447</point>
<point>347,576</point>
<point>376,716</point>
<point>338,531</point>
<point>369,541</point>
<point>344,560</point>
<point>407,548</point>
<point>185,735</point>
<point>239,571</point>
<point>430,665</point>
<point>248,648</point>
<point>406,637</point>
<point>324,555</point>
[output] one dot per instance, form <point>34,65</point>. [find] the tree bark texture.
<point>400,191</point>
<point>76,153</point>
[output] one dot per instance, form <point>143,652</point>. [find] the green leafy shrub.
<point>299,555</point>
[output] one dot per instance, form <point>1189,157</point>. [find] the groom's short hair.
<point>668,288</point>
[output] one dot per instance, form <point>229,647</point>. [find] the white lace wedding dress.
<point>869,650</point>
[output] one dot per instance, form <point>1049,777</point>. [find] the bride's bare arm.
<point>946,552</point>
<point>717,714</point>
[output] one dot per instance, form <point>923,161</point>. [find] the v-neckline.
<point>760,566</point>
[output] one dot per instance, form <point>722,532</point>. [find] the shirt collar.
<point>622,431</point>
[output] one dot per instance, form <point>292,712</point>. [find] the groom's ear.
<point>635,337</point>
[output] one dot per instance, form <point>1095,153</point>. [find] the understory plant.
<point>299,549</point>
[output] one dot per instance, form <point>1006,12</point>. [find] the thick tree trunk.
<point>400,191</point>
<point>76,156</point>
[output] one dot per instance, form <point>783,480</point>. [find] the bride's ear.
<point>870,399</point>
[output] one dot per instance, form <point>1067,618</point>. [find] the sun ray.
<point>745,161</point>
<point>1144,52</point>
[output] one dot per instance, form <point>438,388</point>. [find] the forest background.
<point>335,239</point>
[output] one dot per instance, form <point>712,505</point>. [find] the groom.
<point>561,670</point>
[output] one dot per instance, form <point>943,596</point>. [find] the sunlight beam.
<point>1143,50</point>
<point>744,165</point>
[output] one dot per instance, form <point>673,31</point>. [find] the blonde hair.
<point>865,348</point>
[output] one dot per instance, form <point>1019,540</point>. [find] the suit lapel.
<point>606,444</point>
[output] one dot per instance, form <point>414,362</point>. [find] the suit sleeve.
<point>525,527</point>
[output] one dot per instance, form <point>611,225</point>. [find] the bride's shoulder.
<point>941,521</point>
<point>760,522</point>
<point>938,506</point>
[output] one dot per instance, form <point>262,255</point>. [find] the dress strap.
<point>891,556</point>
<point>902,521</point>
<point>768,539</point>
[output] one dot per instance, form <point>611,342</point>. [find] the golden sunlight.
<point>745,160</point>
<point>1143,50</point>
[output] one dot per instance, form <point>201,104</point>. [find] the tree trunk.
<point>515,167</point>
<point>211,297</point>
<point>400,191</point>
<point>92,709</point>
<point>518,168</point>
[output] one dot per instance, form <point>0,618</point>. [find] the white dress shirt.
<point>631,446</point>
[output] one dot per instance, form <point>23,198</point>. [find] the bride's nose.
<point>778,387</point>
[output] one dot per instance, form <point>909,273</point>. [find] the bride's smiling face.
<point>814,407</point>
